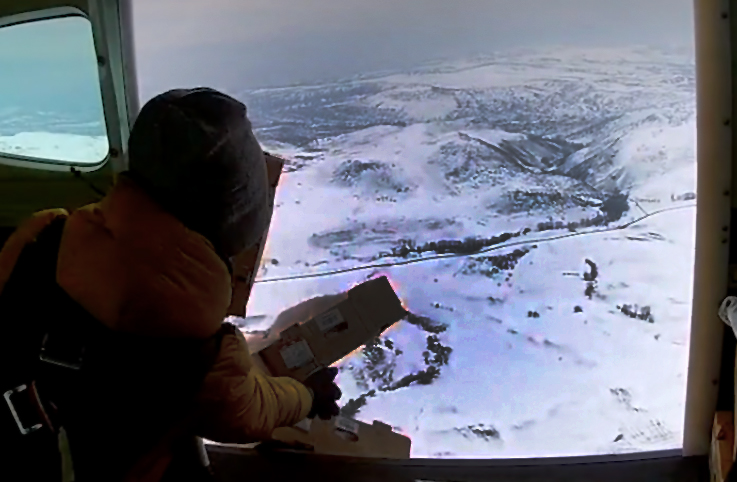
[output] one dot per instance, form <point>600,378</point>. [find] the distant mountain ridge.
<point>590,100</point>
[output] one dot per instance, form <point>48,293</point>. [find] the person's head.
<point>193,151</point>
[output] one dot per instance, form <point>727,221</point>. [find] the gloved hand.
<point>325,393</point>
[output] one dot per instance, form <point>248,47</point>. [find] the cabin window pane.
<point>50,99</point>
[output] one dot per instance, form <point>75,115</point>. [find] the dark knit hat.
<point>193,151</point>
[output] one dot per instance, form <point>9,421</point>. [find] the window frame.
<point>105,82</point>
<point>231,463</point>
<point>713,35</point>
<point>714,92</point>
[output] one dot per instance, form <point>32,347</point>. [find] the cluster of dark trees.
<point>486,433</point>
<point>441,353</point>
<point>426,324</point>
<point>435,356</point>
<point>612,209</point>
<point>633,311</point>
<point>468,245</point>
<point>492,265</point>
<point>598,220</point>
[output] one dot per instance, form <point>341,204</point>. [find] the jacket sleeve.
<point>24,234</point>
<point>238,403</point>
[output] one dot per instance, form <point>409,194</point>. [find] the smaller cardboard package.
<point>366,311</point>
<point>346,437</point>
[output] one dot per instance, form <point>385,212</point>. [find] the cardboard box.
<point>346,437</point>
<point>247,264</point>
<point>722,442</point>
<point>356,317</point>
<point>303,348</point>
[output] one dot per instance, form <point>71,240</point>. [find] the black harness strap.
<point>115,394</point>
<point>28,436</point>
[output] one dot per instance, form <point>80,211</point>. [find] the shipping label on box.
<point>297,354</point>
<point>331,322</point>
<point>292,355</point>
<point>345,334</point>
<point>347,429</point>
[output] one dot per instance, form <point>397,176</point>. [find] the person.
<point>134,291</point>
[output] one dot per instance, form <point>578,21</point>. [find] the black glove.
<point>325,393</point>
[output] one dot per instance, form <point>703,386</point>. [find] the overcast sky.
<point>241,44</point>
<point>34,53</point>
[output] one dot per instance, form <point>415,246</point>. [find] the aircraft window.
<point>50,100</point>
<point>524,172</point>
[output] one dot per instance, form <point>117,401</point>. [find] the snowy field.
<point>525,349</point>
<point>535,213</point>
<point>56,146</point>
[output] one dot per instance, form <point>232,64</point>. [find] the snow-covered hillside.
<point>56,146</point>
<point>535,213</point>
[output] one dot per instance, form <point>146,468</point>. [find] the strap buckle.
<point>30,407</point>
<point>65,355</point>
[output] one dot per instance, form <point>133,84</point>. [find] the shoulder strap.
<point>28,296</point>
<point>25,234</point>
<point>26,277</point>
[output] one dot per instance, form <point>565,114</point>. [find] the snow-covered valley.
<point>534,212</point>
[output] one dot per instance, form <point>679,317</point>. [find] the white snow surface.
<point>56,146</point>
<point>563,384</point>
<point>537,367</point>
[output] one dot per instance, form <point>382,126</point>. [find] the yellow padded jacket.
<point>137,269</point>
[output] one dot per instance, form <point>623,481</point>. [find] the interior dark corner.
<point>502,229</point>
